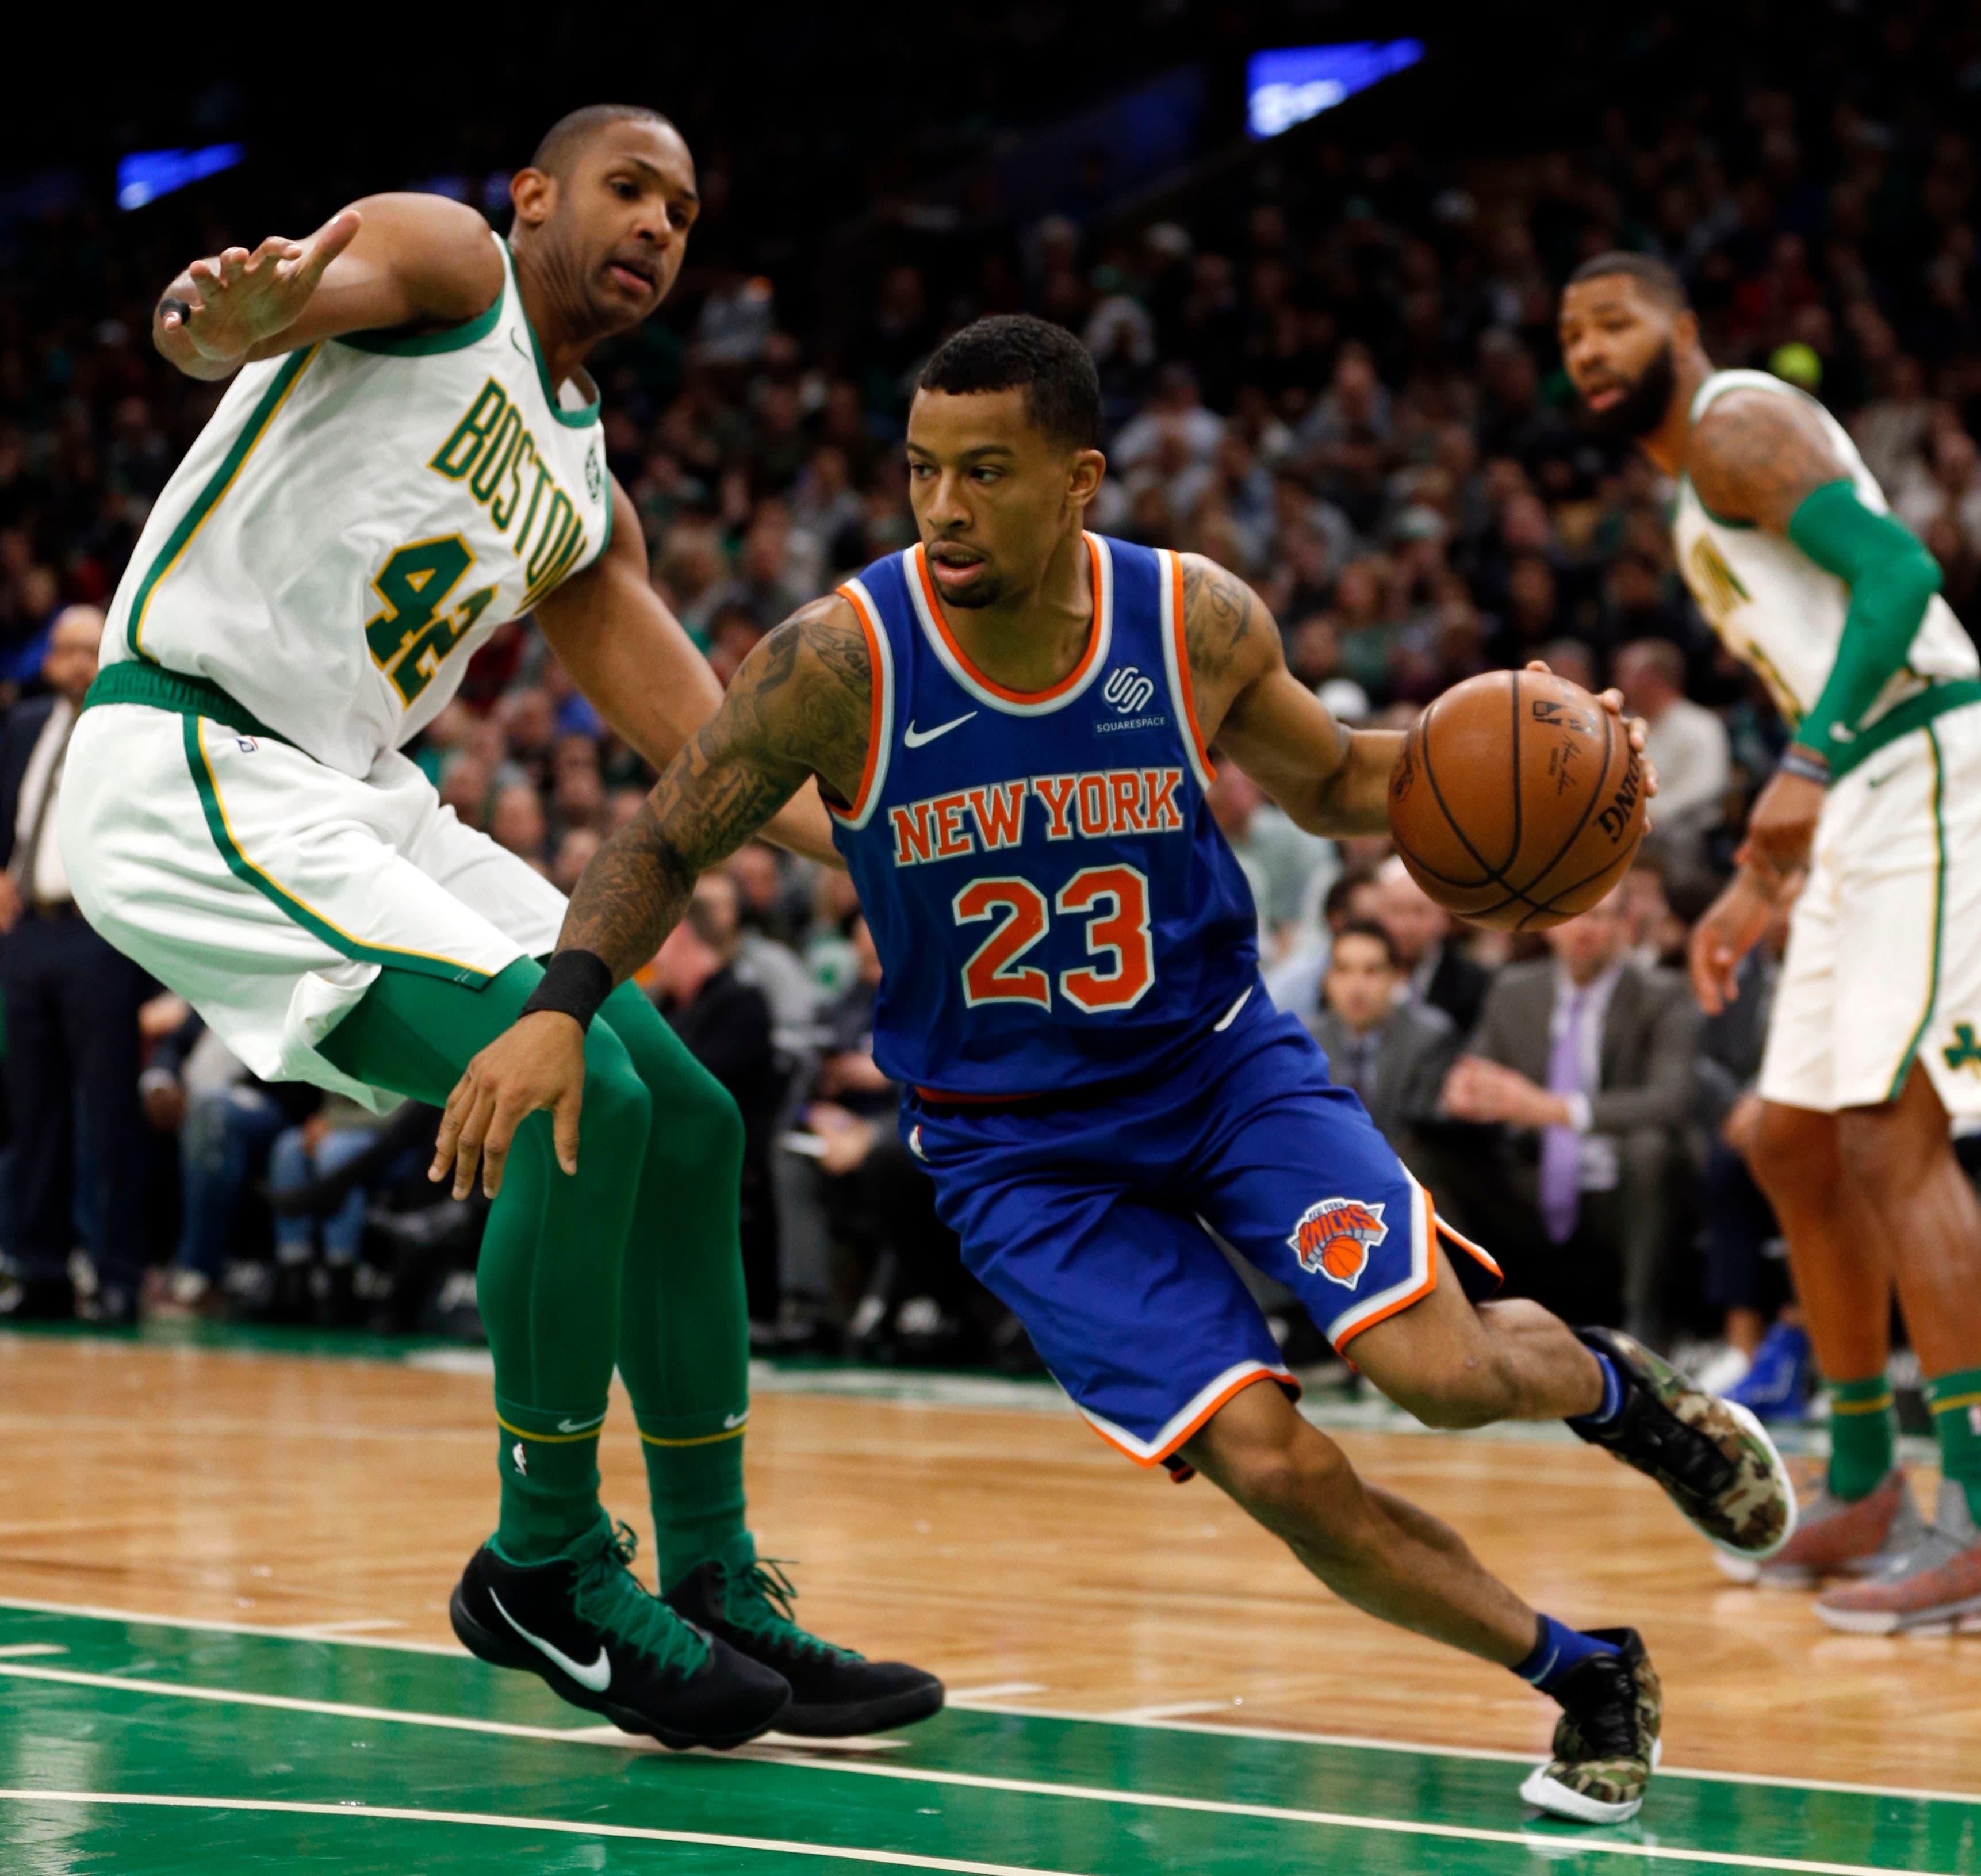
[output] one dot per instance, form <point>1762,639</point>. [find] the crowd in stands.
<point>1345,387</point>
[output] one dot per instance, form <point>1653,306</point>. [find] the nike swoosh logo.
<point>1231,1016</point>
<point>518,343</point>
<point>1878,781</point>
<point>597,1677</point>
<point>580,1426</point>
<point>914,739</point>
<point>732,1422</point>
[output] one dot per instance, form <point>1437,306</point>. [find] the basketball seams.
<point>1513,852</point>
<point>1530,905</point>
<point>1495,876</point>
<point>1588,807</point>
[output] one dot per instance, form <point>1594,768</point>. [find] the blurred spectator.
<point>1438,972</point>
<point>71,1004</point>
<point>1394,1053</point>
<point>1288,868</point>
<point>1685,741</point>
<point>1589,1058</point>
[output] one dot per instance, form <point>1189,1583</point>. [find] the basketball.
<point>1517,801</point>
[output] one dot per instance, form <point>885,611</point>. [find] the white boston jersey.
<point>1773,606</point>
<point>357,518</point>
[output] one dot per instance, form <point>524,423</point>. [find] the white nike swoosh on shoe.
<point>597,1677</point>
<point>914,739</point>
<point>732,1422</point>
<point>580,1426</point>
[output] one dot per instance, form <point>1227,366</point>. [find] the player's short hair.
<point>1659,655</point>
<point>1658,280</point>
<point>1376,934</point>
<point>1013,350</point>
<point>572,132</point>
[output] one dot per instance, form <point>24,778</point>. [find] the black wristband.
<point>574,984</point>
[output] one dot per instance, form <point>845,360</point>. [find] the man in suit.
<point>71,1005</point>
<point>1394,1054</point>
<point>1437,973</point>
<point>1589,1059</point>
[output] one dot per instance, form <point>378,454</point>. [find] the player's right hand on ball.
<point>238,298</point>
<point>539,1063</point>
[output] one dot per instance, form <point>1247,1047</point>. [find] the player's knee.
<point>1287,1478</point>
<point>1877,1153</point>
<point>1792,1149</point>
<point>701,1130</point>
<point>618,1110</point>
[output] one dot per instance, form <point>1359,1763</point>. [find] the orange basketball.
<point>1517,801</point>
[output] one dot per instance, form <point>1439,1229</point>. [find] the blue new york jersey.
<point>1052,902</point>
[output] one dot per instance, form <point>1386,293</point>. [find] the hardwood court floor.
<point>1127,1657</point>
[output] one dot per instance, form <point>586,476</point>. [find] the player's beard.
<point>1641,408</point>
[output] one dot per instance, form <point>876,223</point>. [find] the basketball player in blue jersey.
<point>1012,720</point>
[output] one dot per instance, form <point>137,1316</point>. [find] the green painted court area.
<point>138,1745</point>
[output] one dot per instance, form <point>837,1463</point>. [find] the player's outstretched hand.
<point>539,1063</point>
<point>1732,925</point>
<point>1612,701</point>
<point>237,298</point>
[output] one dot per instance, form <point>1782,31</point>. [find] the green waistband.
<point>1903,718</point>
<point>137,681</point>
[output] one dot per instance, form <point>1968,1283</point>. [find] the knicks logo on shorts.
<point>1335,1237</point>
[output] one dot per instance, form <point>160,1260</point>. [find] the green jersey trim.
<point>217,486</point>
<point>424,344</point>
<point>1911,713</point>
<point>1938,919</point>
<point>311,921</point>
<point>572,420</point>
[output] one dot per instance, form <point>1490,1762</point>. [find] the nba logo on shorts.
<point>1335,1237</point>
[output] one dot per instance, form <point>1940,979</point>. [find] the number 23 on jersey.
<point>1113,900</point>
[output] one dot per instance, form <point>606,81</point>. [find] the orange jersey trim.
<point>1238,1387</point>
<point>876,711</point>
<point>957,651</point>
<point>1183,665</point>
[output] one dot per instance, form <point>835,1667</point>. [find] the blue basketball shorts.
<point>1090,1218</point>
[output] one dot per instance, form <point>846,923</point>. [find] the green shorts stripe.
<point>311,920</point>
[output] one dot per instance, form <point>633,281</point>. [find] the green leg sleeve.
<point>684,1325</point>
<point>549,1276</point>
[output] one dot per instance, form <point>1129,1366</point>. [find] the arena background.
<point>241,1486</point>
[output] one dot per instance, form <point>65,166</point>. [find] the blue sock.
<point>1612,1395</point>
<point>1558,1649</point>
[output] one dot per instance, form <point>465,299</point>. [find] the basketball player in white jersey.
<point>1873,824</point>
<point>409,454</point>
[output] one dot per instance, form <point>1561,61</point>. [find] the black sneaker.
<point>835,1693</point>
<point>1606,1743</point>
<point>587,1624</point>
<point>1713,1459</point>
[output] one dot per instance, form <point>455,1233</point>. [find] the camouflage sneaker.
<point>1837,1537</point>
<point>1606,1743</point>
<point>1712,1456</point>
<point>1934,1588</point>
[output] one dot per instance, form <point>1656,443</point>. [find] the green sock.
<point>1862,1436</point>
<point>550,1479</point>
<point>1956,1401</point>
<point>697,1485</point>
<point>684,1322</point>
<point>548,1279</point>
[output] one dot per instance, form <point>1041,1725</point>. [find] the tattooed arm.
<point>801,706</point>
<point>1329,779</point>
<point>1756,456</point>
